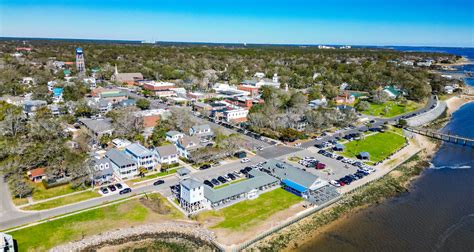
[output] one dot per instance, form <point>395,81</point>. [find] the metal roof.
<point>138,150</point>
<point>172,133</point>
<point>295,186</point>
<point>257,180</point>
<point>119,158</point>
<point>190,183</point>
<point>166,150</point>
<point>285,171</point>
<point>97,125</point>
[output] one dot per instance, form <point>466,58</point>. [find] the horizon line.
<point>222,43</point>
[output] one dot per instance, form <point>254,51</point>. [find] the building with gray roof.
<point>101,169</point>
<point>143,156</point>
<point>249,188</point>
<point>167,154</point>
<point>6,243</point>
<point>295,179</point>
<point>98,127</point>
<point>123,165</point>
<point>203,131</point>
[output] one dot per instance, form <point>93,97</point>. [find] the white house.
<point>187,144</point>
<point>167,154</point>
<point>448,89</point>
<point>173,136</point>
<point>123,165</point>
<point>318,103</point>
<point>191,195</point>
<point>203,131</point>
<point>236,115</point>
<point>143,156</point>
<point>259,75</point>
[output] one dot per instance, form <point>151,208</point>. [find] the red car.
<point>320,166</point>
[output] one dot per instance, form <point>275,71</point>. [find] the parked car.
<point>158,182</point>
<point>320,166</point>
<point>112,188</point>
<point>205,166</point>
<point>119,186</point>
<point>222,179</point>
<point>104,190</point>
<point>244,160</point>
<point>126,190</point>
<point>335,183</point>
<point>215,182</point>
<point>207,182</point>
<point>231,176</point>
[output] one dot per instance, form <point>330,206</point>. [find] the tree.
<point>402,123</point>
<point>13,122</point>
<point>380,97</point>
<point>126,124</point>
<point>143,104</point>
<point>363,105</point>
<point>141,171</point>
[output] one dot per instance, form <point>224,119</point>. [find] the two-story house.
<point>102,170</point>
<point>143,156</point>
<point>173,136</point>
<point>123,165</point>
<point>188,144</point>
<point>167,154</point>
<point>203,131</point>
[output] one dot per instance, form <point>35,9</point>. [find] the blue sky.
<point>363,22</point>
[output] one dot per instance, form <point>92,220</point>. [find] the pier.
<point>443,136</point>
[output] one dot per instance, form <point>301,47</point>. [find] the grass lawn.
<point>133,212</point>
<point>19,202</point>
<point>156,175</point>
<point>379,145</point>
<point>394,108</point>
<point>294,158</point>
<point>40,192</point>
<point>63,201</point>
<point>249,213</point>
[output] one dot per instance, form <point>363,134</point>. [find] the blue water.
<point>436,215</point>
<point>465,52</point>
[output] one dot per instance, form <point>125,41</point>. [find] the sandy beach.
<point>455,102</point>
<point>460,62</point>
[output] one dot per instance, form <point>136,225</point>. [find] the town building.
<point>187,144</point>
<point>110,94</point>
<point>126,78</point>
<point>173,136</point>
<point>124,167</point>
<point>30,106</point>
<point>160,89</point>
<point>248,189</point>
<point>345,98</point>
<point>102,170</point>
<point>237,115</point>
<point>120,143</point>
<point>251,89</point>
<point>318,103</point>
<point>98,127</point>
<point>167,154</point>
<point>36,175</point>
<point>6,243</point>
<point>143,156</point>
<point>294,179</point>
<point>191,197</point>
<point>58,94</point>
<point>203,131</point>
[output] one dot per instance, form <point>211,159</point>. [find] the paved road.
<point>13,217</point>
<point>378,122</point>
<point>9,217</point>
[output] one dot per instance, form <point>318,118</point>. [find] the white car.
<point>244,160</point>
<point>334,183</point>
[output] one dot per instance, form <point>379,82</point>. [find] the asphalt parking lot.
<point>334,170</point>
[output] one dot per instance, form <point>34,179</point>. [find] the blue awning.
<point>294,186</point>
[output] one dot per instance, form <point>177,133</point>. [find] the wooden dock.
<point>442,136</point>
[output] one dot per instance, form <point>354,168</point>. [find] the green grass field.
<point>40,192</point>
<point>156,175</point>
<point>47,235</point>
<point>249,213</point>
<point>379,145</point>
<point>393,108</point>
<point>63,201</point>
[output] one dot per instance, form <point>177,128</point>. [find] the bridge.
<point>443,136</point>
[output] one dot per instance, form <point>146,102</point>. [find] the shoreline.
<point>462,61</point>
<point>302,236</point>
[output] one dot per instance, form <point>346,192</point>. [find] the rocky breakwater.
<point>193,235</point>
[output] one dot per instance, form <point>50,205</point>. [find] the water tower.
<point>80,64</point>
